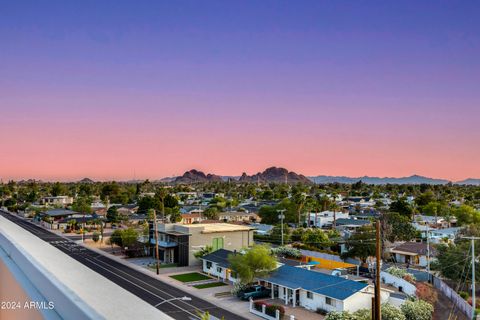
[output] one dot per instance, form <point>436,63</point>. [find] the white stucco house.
<point>324,218</point>
<point>317,291</point>
<point>216,264</point>
<point>413,253</point>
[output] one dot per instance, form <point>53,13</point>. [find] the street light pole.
<point>473,273</point>
<point>428,253</point>
<point>155,227</point>
<point>281,216</point>
<point>378,312</point>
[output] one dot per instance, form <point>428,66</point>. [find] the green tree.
<point>129,237</point>
<point>403,207</point>
<point>116,238</point>
<point>82,205</point>
<point>257,261</point>
<point>316,238</point>
<point>397,227</point>
<point>276,233</point>
<point>452,258</point>
<point>466,215</point>
<point>112,215</point>
<point>361,244</point>
<point>58,189</point>
<point>211,213</point>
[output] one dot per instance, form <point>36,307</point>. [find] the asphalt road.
<point>147,288</point>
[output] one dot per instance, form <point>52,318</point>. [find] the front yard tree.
<point>257,261</point>
<point>129,237</point>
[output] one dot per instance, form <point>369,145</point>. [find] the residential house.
<point>325,218</point>
<point>179,242</point>
<point>446,235</point>
<point>431,221</point>
<point>237,216</point>
<point>57,201</point>
<point>262,229</point>
<point>413,253</point>
<point>189,218</point>
<point>216,264</point>
<point>317,291</point>
<point>351,224</point>
<point>58,218</point>
<point>127,209</point>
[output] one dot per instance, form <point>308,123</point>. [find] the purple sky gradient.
<point>105,89</point>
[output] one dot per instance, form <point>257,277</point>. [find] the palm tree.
<point>334,206</point>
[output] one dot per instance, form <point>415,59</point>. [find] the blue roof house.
<point>315,290</point>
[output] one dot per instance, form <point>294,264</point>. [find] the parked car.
<point>254,292</point>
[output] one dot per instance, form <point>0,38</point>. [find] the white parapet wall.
<point>398,283</point>
<point>61,287</point>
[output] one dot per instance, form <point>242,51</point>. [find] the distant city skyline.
<point>117,90</point>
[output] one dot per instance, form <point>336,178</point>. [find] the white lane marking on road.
<point>170,302</point>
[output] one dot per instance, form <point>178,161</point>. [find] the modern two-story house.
<point>178,243</point>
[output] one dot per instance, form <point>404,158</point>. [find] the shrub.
<point>426,292</point>
<point>401,273</point>
<point>287,252</point>
<point>464,295</point>
<point>279,308</point>
<point>258,305</point>
<point>344,315</point>
<point>390,312</point>
<point>363,314</point>
<point>238,287</point>
<point>96,236</point>
<point>417,310</point>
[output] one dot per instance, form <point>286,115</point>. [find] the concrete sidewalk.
<point>233,304</point>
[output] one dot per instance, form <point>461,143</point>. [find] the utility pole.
<point>473,273</point>
<point>378,314</point>
<point>428,253</point>
<point>281,216</point>
<point>155,227</point>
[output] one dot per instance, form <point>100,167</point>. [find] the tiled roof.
<point>414,247</point>
<point>324,284</point>
<point>220,257</point>
<point>355,222</point>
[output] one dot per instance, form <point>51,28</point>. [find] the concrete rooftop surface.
<point>77,292</point>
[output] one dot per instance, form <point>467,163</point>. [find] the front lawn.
<point>210,285</point>
<point>190,277</point>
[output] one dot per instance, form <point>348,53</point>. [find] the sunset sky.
<point>148,89</point>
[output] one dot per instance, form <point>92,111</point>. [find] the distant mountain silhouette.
<point>275,175</point>
<point>469,181</point>
<point>415,179</point>
<point>195,176</point>
<point>86,180</point>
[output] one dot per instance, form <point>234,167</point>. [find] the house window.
<point>330,301</point>
<point>233,275</point>
<point>219,270</point>
<point>309,295</point>
<point>209,264</point>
